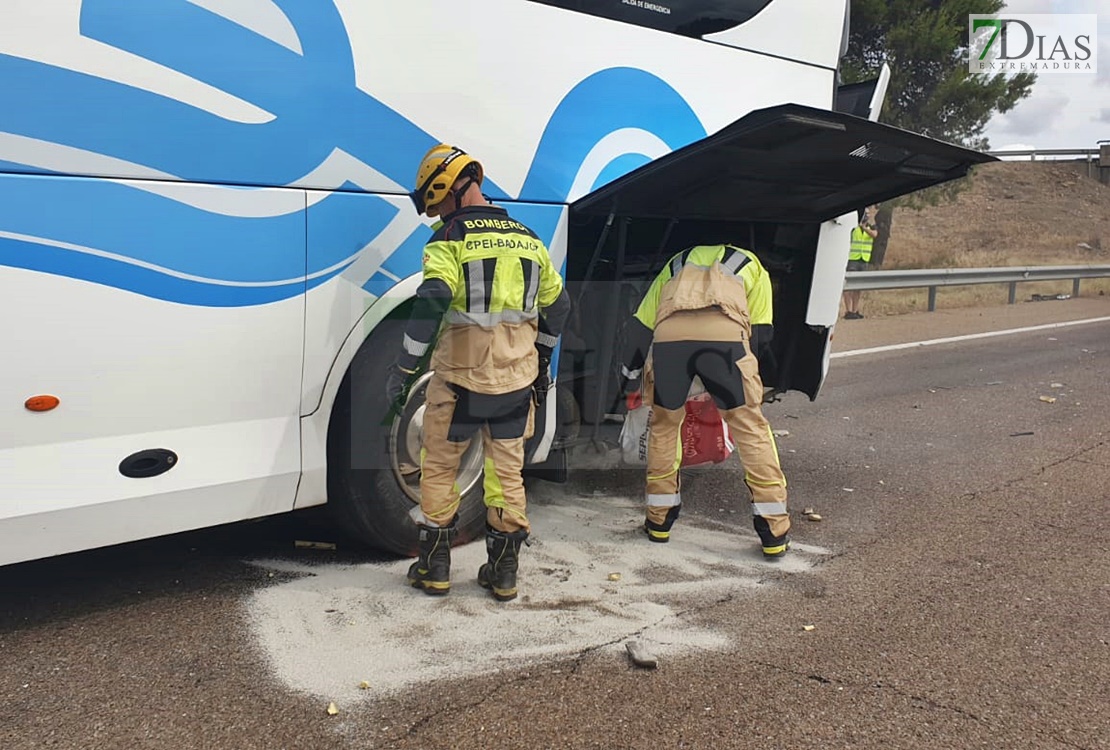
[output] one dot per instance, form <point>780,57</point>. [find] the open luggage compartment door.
<point>789,163</point>
<point>768,182</point>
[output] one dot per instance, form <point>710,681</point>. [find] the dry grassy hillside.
<point>1010,214</point>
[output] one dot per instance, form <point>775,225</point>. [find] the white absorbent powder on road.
<point>590,580</point>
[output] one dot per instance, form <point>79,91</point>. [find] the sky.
<point>1064,111</point>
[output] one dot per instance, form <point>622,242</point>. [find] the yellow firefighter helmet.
<point>440,168</point>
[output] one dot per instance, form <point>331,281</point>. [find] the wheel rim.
<point>406,438</point>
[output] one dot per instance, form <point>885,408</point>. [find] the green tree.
<point>931,90</point>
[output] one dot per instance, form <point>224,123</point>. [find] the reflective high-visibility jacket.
<point>487,277</point>
<point>861,245</point>
<point>725,277</point>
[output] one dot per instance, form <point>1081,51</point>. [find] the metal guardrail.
<point>1090,154</point>
<point>1096,160</point>
<point>937,277</point>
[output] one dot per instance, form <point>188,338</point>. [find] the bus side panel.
<point>311,94</point>
<point>587,92</point>
<point>381,240</point>
<point>161,320</point>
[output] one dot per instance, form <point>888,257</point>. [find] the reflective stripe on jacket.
<point>861,245</point>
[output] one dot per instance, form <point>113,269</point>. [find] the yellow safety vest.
<point>861,245</point>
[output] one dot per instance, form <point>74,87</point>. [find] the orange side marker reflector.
<point>41,403</point>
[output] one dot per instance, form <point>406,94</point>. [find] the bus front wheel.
<point>374,456</point>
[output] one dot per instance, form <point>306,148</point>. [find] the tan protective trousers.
<point>726,380</point>
<point>452,417</point>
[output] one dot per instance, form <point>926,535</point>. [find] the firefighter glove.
<point>629,381</point>
<point>542,383</point>
<point>397,386</point>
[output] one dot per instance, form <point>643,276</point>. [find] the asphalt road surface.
<point>964,602</point>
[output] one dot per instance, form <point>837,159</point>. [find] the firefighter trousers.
<point>453,416</point>
<point>730,373</point>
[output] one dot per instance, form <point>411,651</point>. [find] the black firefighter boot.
<point>662,532</point>
<point>499,574</point>
<point>432,569</point>
<point>774,547</point>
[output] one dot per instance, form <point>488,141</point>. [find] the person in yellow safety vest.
<point>498,304</point>
<point>708,313</point>
<point>859,258</point>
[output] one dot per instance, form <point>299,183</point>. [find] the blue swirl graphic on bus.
<point>167,249</point>
<point>603,103</point>
<point>150,242</point>
<point>316,105</point>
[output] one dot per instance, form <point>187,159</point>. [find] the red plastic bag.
<point>705,436</point>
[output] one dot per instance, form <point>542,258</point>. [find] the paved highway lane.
<point>963,600</point>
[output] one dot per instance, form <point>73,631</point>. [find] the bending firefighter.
<point>707,314</point>
<point>487,279</point>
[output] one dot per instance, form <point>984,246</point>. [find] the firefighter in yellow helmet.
<point>708,313</point>
<point>497,303</point>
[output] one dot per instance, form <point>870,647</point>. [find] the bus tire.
<point>373,480</point>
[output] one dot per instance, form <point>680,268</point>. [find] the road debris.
<point>813,516</point>
<point>364,685</point>
<point>1020,434</point>
<point>1055,385</point>
<point>807,511</point>
<point>1048,399</point>
<point>808,628</point>
<point>304,544</point>
<point>332,709</point>
<point>640,656</point>
<point>847,489</point>
<point>614,576</point>
<point>780,433</point>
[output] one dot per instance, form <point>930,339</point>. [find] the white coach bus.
<point>206,243</point>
